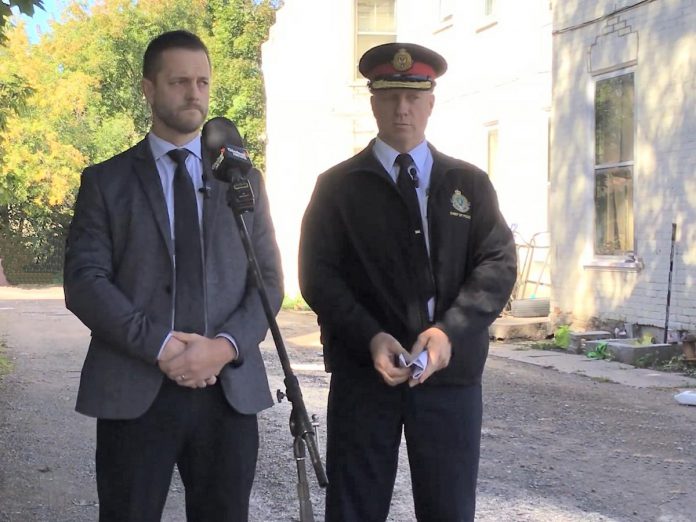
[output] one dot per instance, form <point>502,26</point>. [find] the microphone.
<point>229,161</point>
<point>414,176</point>
<point>205,189</point>
<point>225,148</point>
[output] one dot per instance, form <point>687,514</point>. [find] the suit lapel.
<point>146,172</point>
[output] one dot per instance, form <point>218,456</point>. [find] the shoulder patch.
<point>459,202</point>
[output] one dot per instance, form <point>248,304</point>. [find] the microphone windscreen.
<point>218,132</point>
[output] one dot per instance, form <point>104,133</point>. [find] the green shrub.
<point>561,337</point>
<point>600,351</point>
<point>295,303</point>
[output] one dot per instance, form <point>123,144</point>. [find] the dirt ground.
<point>555,447</point>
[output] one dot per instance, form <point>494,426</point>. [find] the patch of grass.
<point>5,364</point>
<point>601,379</point>
<point>675,365</point>
<point>295,303</point>
<point>546,345</point>
<point>647,361</point>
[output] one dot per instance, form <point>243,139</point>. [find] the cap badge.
<point>402,60</point>
<point>460,203</point>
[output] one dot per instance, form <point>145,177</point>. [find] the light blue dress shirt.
<point>166,168</point>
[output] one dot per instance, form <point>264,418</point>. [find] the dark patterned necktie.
<point>189,310</point>
<point>407,181</point>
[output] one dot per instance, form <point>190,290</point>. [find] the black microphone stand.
<point>240,198</point>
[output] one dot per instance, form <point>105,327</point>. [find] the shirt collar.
<point>386,155</point>
<point>160,147</point>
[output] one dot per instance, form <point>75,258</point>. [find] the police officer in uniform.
<point>406,259</point>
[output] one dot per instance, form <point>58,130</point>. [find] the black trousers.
<point>214,447</point>
<point>442,427</point>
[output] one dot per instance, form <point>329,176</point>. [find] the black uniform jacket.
<point>356,272</point>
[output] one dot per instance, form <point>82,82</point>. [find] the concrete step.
<point>508,327</point>
<point>631,351</point>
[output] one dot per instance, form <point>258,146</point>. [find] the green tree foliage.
<point>13,91</point>
<point>73,99</point>
<point>238,28</point>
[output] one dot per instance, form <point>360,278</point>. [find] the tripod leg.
<point>306,513</point>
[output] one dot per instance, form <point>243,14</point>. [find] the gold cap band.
<point>392,84</point>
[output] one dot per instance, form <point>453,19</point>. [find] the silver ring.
<point>182,377</point>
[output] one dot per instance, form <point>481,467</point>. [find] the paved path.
<point>611,371</point>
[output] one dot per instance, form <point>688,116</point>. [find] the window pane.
<point>375,24</point>
<point>614,211</point>
<point>614,120</point>
<point>445,9</point>
<point>376,16</point>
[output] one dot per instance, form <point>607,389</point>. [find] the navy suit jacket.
<point>119,281</point>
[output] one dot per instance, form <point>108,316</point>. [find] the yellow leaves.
<point>37,166</point>
<point>68,96</point>
<point>64,164</point>
<point>40,163</point>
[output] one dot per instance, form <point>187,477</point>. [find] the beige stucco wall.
<point>318,115</point>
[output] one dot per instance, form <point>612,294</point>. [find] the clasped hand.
<point>385,350</point>
<point>194,361</point>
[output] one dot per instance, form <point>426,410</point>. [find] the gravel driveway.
<point>555,447</point>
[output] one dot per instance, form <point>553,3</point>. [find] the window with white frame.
<point>444,10</point>
<point>487,15</point>
<point>492,147</point>
<point>375,24</point>
<point>614,131</point>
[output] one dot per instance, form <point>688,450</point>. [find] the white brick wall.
<point>665,159</point>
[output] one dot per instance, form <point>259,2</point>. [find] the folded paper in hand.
<point>417,365</point>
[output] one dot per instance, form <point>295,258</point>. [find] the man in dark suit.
<point>404,256</point>
<point>155,268</point>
